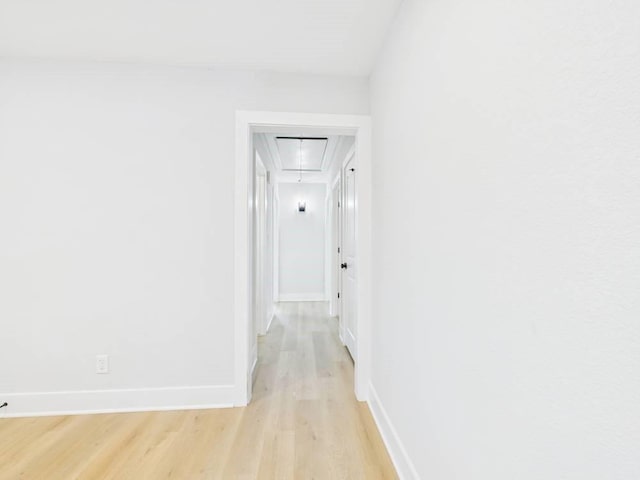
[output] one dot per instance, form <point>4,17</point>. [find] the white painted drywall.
<point>116,225</point>
<point>507,238</point>
<point>301,241</point>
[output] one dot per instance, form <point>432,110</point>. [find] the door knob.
<point>343,265</point>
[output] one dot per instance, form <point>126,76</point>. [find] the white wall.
<point>301,241</point>
<point>116,221</point>
<point>506,238</point>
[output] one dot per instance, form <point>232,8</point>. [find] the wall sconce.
<point>302,207</point>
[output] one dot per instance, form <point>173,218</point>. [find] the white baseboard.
<point>253,369</point>
<point>302,297</point>
<point>38,404</point>
<point>404,466</point>
<point>273,315</point>
<point>264,331</point>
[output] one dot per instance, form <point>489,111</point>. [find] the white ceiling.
<point>284,162</point>
<point>313,36</point>
<point>304,153</point>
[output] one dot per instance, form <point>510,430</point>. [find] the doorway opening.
<point>302,230</point>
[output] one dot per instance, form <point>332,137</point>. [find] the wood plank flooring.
<point>303,423</point>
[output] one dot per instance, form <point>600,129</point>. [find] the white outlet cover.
<point>102,364</point>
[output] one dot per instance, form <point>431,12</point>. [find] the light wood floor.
<point>303,423</point>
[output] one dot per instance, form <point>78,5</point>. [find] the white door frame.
<point>246,123</point>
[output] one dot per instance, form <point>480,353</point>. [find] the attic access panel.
<point>302,153</point>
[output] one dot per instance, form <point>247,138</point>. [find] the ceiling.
<point>317,160</point>
<point>302,153</point>
<point>310,36</point>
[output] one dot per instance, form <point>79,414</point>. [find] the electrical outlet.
<point>102,363</point>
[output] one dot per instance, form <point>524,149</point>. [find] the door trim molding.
<point>247,123</point>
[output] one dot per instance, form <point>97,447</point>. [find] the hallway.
<point>302,423</point>
<point>304,386</point>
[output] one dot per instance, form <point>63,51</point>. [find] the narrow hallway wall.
<point>301,241</point>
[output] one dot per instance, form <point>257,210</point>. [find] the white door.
<point>348,265</point>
